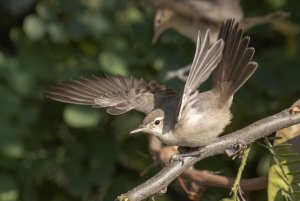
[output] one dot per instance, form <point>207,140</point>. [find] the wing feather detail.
<point>206,59</point>
<point>116,93</point>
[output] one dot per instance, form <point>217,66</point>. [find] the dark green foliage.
<point>58,152</point>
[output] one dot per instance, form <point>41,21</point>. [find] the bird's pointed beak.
<point>157,32</point>
<point>155,37</point>
<point>140,128</point>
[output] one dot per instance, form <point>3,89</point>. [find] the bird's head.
<point>152,124</point>
<point>163,21</point>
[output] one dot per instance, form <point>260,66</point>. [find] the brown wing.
<point>118,94</point>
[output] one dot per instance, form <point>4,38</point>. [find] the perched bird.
<point>166,18</point>
<point>187,118</point>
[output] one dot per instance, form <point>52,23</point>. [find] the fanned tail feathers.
<point>236,66</point>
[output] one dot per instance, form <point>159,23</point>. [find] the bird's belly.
<point>198,129</point>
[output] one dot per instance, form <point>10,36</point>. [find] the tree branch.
<point>162,154</point>
<point>204,177</point>
<point>246,135</point>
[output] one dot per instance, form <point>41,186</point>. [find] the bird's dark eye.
<point>157,122</point>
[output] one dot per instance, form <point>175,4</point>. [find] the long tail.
<point>236,66</point>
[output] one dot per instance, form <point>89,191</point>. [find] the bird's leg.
<point>189,151</point>
<point>186,152</point>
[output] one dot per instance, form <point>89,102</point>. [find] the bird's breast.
<point>200,125</point>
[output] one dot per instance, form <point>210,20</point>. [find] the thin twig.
<point>236,186</point>
<point>179,73</point>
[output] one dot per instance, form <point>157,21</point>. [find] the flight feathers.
<point>119,94</point>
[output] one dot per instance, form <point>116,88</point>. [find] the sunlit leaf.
<point>81,117</point>
<point>8,190</point>
<point>134,15</point>
<point>285,167</point>
<point>13,150</point>
<point>34,27</point>
<point>112,63</point>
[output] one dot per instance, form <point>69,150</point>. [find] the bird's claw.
<point>178,157</point>
<point>194,152</point>
<point>236,149</point>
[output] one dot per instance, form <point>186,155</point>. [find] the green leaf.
<point>112,63</point>
<point>294,172</point>
<point>281,175</point>
<point>287,155</point>
<point>95,23</point>
<point>292,162</point>
<point>8,190</point>
<point>276,183</point>
<point>57,33</point>
<point>282,145</point>
<point>22,82</point>
<point>133,14</point>
<point>276,4</point>
<point>10,101</point>
<point>34,27</point>
<point>46,12</point>
<point>81,116</point>
<point>90,163</point>
<point>228,199</point>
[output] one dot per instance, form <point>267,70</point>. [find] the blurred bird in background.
<point>207,14</point>
<point>188,17</point>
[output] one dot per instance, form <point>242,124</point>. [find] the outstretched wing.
<point>206,59</point>
<point>116,93</point>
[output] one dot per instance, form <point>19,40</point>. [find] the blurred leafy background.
<point>54,151</point>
